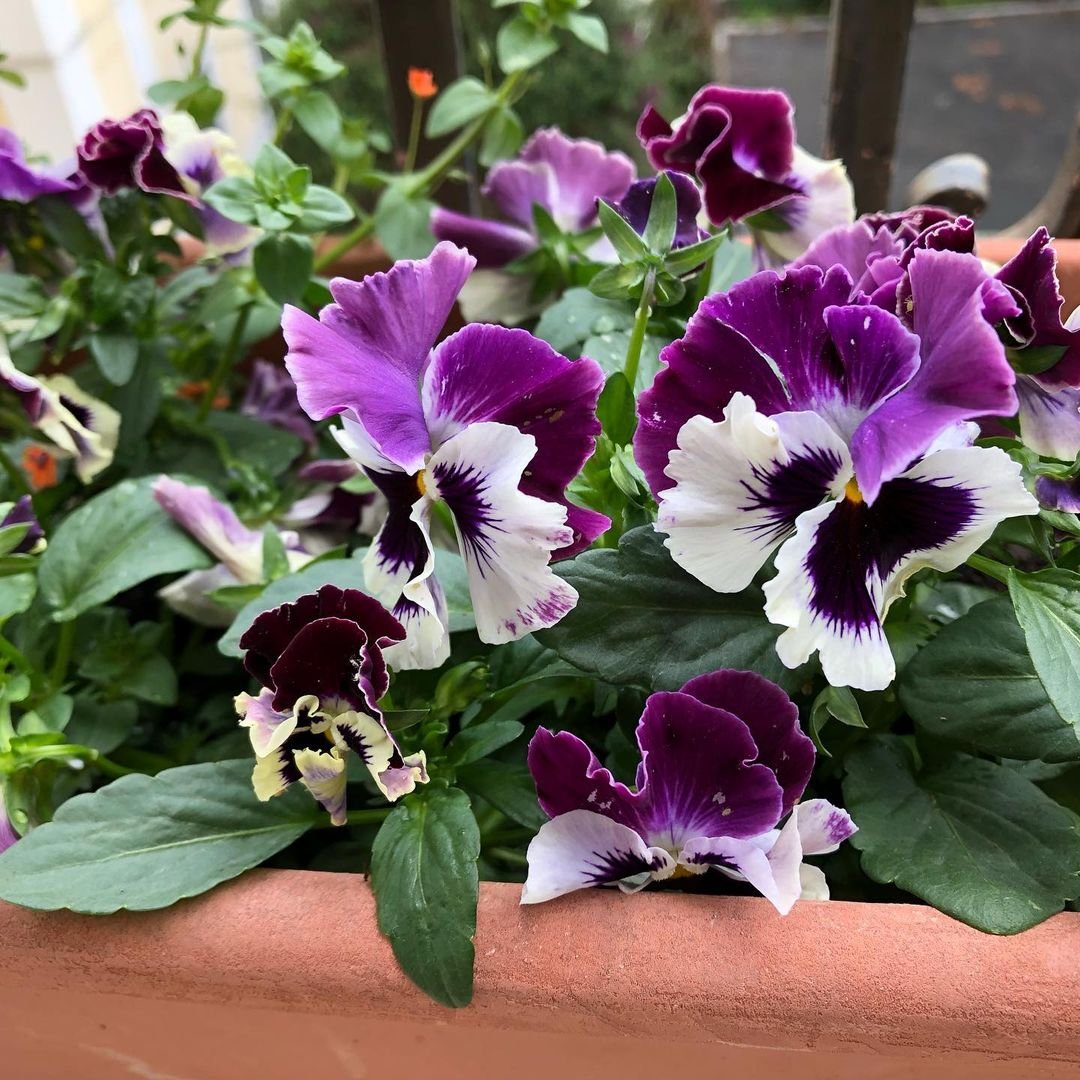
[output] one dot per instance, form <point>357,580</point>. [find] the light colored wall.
<point>84,59</point>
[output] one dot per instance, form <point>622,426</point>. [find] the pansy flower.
<point>216,527</point>
<point>118,154</point>
<point>563,176</point>
<point>723,761</point>
<point>740,144</point>
<point>80,426</point>
<point>492,422</point>
<point>331,505</point>
<point>21,512</point>
<point>23,183</point>
<point>320,661</point>
<point>271,397</point>
<point>792,421</point>
<point>634,207</point>
<point>202,158</point>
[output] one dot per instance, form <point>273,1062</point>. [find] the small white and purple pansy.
<point>491,422</point>
<point>321,663</point>
<point>723,762</point>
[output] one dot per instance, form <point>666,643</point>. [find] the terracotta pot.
<point>1000,249</point>
<point>283,974</point>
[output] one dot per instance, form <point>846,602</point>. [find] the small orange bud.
<point>193,390</point>
<point>422,83</point>
<point>39,465</point>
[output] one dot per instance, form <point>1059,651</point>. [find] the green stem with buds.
<point>637,334</point>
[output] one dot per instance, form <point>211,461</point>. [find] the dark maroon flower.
<point>22,513</point>
<point>119,154</point>
<point>320,661</point>
<point>739,143</point>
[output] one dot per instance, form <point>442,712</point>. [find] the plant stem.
<point>637,335</point>
<point>506,855</point>
<point>226,361</point>
<point>990,567</point>
<point>200,49</point>
<point>111,768</point>
<point>10,653</point>
<point>14,474</point>
<point>64,642</point>
<point>414,135</point>
<point>427,181</point>
<point>284,121</point>
<point>368,817</point>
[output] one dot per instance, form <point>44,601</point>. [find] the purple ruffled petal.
<point>855,247</point>
<point>492,243</point>
<point>773,720</point>
<point>367,351</point>
<point>490,373</point>
<point>213,524</point>
<point>963,372</point>
<point>22,183</point>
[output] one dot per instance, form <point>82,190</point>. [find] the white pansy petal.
<point>580,849</point>
<point>323,774</point>
<point>848,561</point>
<point>267,728</point>
<point>740,484</point>
<point>506,537</point>
<point>813,883</point>
<point>822,826</point>
<point>399,780</point>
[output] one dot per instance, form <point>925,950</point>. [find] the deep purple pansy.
<point>723,761</point>
<point>740,144</point>
<point>238,549</point>
<point>493,422</point>
<point>635,205</point>
<point>119,154</point>
<point>23,183</point>
<point>21,512</point>
<point>80,426</point>
<point>563,176</point>
<point>790,419</point>
<point>320,661</point>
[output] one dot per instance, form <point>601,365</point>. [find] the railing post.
<point>868,45</point>
<point>421,34</point>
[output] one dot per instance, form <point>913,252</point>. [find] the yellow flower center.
<point>681,871</point>
<point>852,492</point>
<point>421,487</point>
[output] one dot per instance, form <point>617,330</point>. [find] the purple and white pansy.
<point>492,422</point>
<point>562,176</point>
<point>796,419</point>
<point>321,665</point>
<point>723,762</point>
<point>740,144</point>
<point>80,426</point>
<point>216,527</point>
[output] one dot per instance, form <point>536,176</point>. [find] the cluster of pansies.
<point>474,516</point>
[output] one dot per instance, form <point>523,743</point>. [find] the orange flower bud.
<point>422,83</point>
<point>39,465</point>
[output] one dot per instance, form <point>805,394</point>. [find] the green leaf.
<point>283,264</point>
<point>615,409</point>
<point>116,540</point>
<point>609,351</point>
<point>463,100</point>
<point>520,45</point>
<point>663,216</point>
<point>127,661</point>
<point>317,114</point>
<point>839,703</point>
<point>732,263</point>
<point>423,873</point>
<point>16,594</point>
<point>683,260</point>
<point>102,725</point>
<point>275,560</point>
<point>507,787</point>
<point>345,573</point>
<point>974,684</point>
<point>116,354</point>
<point>630,247</point>
<point>252,439</point>
<point>579,315</point>
<point>144,842</point>
<point>503,136</point>
<point>1047,606</point>
<point>975,839</point>
<point>619,282</point>
<point>481,740</point>
<point>322,209</point>
<point>401,224</point>
<point>589,30</point>
<point>236,197</point>
<point>640,620</point>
